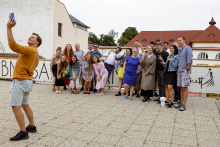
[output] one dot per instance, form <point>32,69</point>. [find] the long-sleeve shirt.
<point>26,63</point>
<point>75,66</point>
<point>185,57</point>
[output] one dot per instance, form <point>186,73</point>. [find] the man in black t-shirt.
<point>160,69</point>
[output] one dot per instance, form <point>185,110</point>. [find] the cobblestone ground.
<point>102,121</point>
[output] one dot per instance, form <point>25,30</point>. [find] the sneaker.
<point>138,95</point>
<point>57,92</point>
<point>97,93</point>
<point>31,129</point>
<point>131,99</point>
<point>82,89</point>
<point>182,108</point>
<point>178,105</point>
<point>155,94</point>
<point>126,97</point>
<point>20,136</point>
<point>94,90</point>
<point>166,103</point>
<point>157,100</point>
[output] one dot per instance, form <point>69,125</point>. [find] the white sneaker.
<point>57,92</point>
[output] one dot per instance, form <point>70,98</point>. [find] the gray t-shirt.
<point>79,55</point>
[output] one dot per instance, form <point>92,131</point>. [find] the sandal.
<point>54,90</point>
<point>148,99</point>
<point>85,92</point>
<point>118,94</point>
<point>76,92</point>
<point>72,92</point>
<point>145,99</point>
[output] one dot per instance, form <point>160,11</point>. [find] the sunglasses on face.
<point>96,46</point>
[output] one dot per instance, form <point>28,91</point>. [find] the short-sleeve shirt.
<point>96,53</point>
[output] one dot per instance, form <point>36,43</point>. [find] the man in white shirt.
<point>166,48</point>
<point>111,62</point>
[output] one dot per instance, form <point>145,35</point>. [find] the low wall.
<point>204,79</point>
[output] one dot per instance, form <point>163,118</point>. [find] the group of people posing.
<point>140,70</point>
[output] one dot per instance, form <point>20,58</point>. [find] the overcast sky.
<point>146,15</point>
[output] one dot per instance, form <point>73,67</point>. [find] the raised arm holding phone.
<point>22,80</point>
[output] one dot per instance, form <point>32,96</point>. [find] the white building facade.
<point>48,18</point>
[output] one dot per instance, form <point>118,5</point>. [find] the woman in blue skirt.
<point>130,72</point>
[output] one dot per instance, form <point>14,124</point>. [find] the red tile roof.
<point>211,34</point>
<point>171,36</point>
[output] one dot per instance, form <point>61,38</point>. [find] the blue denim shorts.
<point>19,92</point>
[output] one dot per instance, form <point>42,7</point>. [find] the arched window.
<point>144,40</point>
<point>211,34</point>
<point>203,55</point>
<point>217,56</point>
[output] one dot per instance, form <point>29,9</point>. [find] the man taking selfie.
<point>22,80</point>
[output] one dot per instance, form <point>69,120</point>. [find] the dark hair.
<point>129,50</point>
<point>182,37</point>
<point>165,42</point>
<point>90,42</point>
<point>137,41</point>
<point>58,49</point>
<point>175,49</point>
<point>152,42</point>
<point>38,39</point>
<point>96,44</point>
<point>119,48</point>
<point>71,62</point>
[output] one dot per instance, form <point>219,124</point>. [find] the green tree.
<point>127,35</point>
<point>108,41</point>
<point>93,38</point>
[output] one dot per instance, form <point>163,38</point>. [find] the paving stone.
<point>155,137</point>
<point>184,140</point>
<point>129,142</point>
<point>88,121</point>
<point>107,139</point>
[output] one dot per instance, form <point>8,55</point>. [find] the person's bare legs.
<point>167,93</point>
<point>131,90</point>
<point>126,89</point>
<point>57,89</point>
<point>184,95</point>
<point>138,86</point>
<point>171,93</point>
<point>89,85</point>
<point>181,93</point>
<point>19,117</point>
<point>29,113</point>
<point>85,86</point>
<point>120,84</point>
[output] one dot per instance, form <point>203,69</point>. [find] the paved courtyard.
<point>100,121</point>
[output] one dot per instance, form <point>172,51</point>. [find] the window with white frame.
<point>203,55</point>
<point>217,56</point>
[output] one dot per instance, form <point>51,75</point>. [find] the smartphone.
<point>12,15</point>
